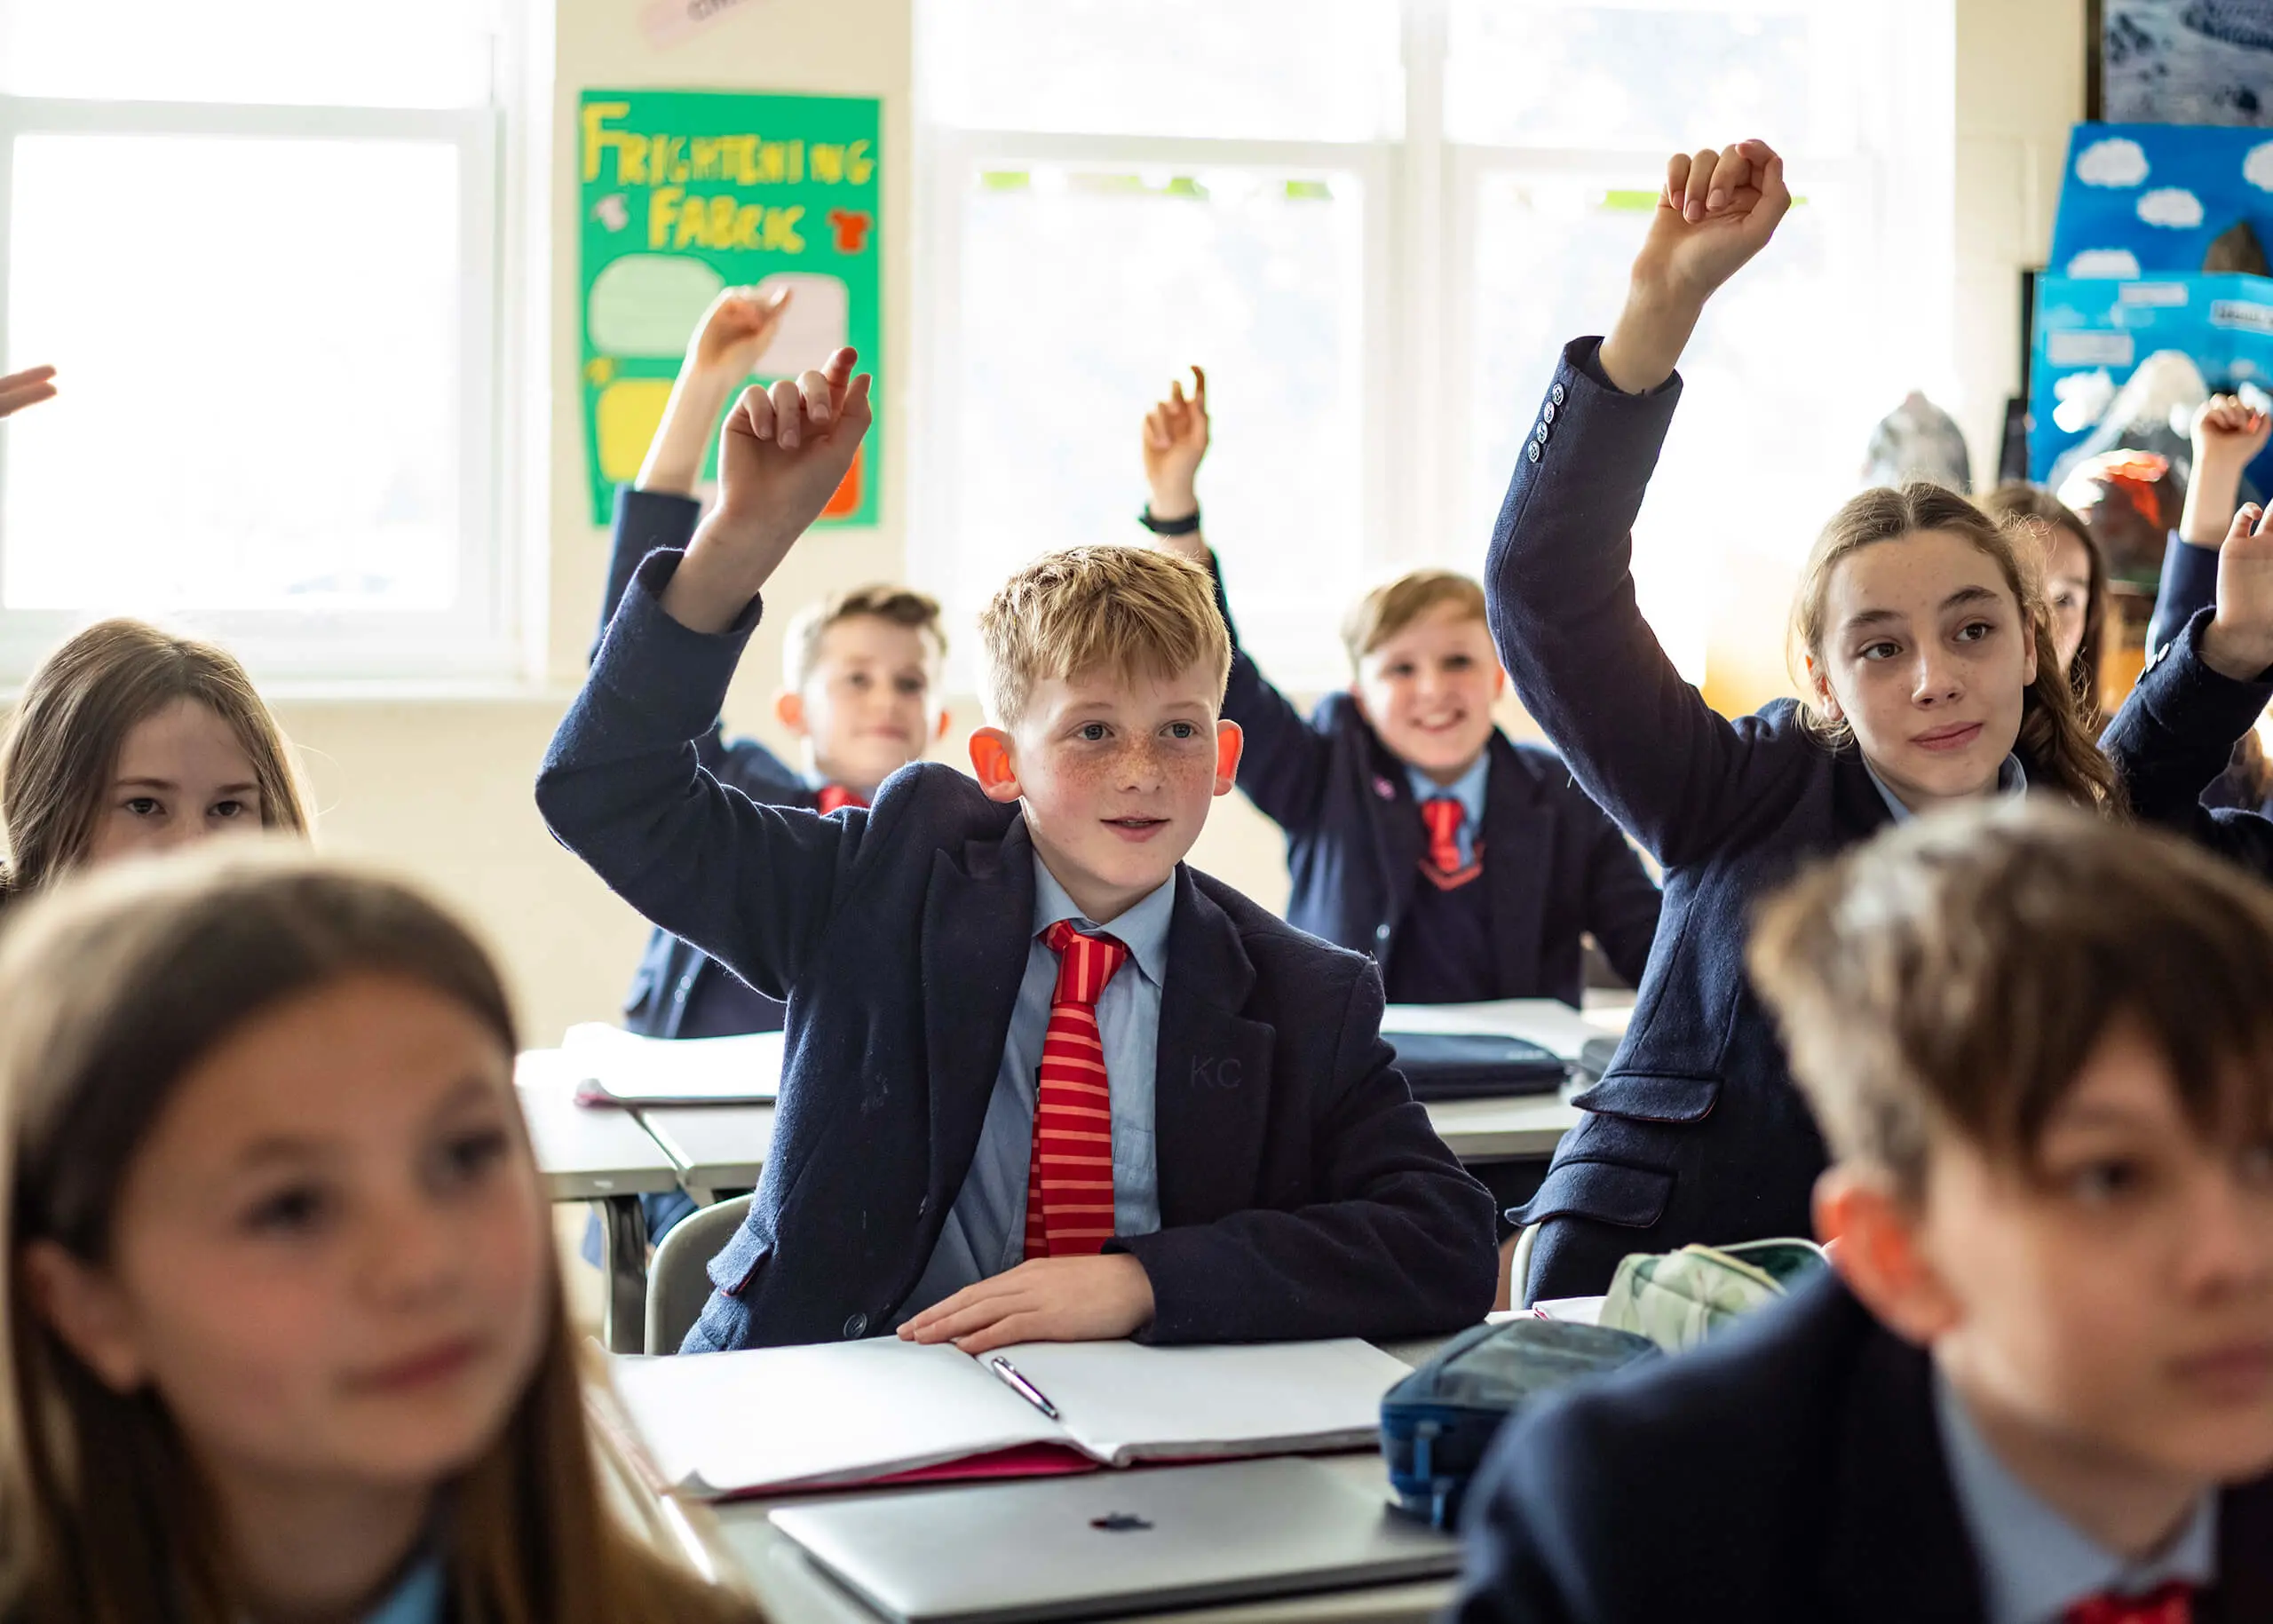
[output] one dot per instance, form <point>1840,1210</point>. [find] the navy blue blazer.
<point>678,990</point>
<point>1554,864</point>
<point>1790,1471</point>
<point>2175,735</point>
<point>1695,1132</point>
<point>1302,1192</point>
<point>2190,584</point>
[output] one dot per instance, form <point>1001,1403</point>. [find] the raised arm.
<point>1283,767</point>
<point>2227,437</point>
<point>621,786</point>
<point>1559,576</point>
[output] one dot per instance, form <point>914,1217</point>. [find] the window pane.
<point>262,410</point>
<point>1258,69</point>
<point>1780,392</point>
<point>403,53</point>
<point>1625,75</point>
<point>1082,295</point>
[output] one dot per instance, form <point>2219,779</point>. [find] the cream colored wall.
<point>443,789</point>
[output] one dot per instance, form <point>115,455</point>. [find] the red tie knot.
<point>1085,963</point>
<point>2170,1604</point>
<point>1444,815</point>
<point>836,797</point>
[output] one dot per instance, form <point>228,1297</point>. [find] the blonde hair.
<point>115,985</point>
<point>1956,972</point>
<point>919,612</point>
<point>63,742</point>
<point>1136,612</point>
<point>2026,507</point>
<point>2054,744</point>
<point>1394,605</point>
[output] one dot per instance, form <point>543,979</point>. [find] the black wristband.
<point>1187,526</point>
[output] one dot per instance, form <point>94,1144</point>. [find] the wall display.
<point>685,193</point>
<point>2184,61</point>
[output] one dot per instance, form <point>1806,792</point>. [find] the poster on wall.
<point>685,193</point>
<point>2183,62</point>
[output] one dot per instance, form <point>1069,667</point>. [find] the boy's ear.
<point>1229,743</point>
<point>1872,1236</point>
<point>1498,679</point>
<point>939,725</point>
<point>993,760</point>
<point>1821,684</point>
<point>789,710</point>
<point>86,1310</point>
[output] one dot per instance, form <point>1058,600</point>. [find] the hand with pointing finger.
<point>781,456</point>
<point>2238,641</point>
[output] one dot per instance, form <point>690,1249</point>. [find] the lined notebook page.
<point>628,1069</point>
<point>1123,1402</point>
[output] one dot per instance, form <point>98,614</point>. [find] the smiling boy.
<point>1467,865</point>
<point>2038,1389</point>
<point>1042,1080</point>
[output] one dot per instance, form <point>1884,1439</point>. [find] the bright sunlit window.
<point>268,278</point>
<point>1376,223</point>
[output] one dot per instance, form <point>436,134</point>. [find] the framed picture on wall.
<point>2179,62</point>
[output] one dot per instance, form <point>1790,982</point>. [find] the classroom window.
<point>269,277</point>
<point>1377,223</point>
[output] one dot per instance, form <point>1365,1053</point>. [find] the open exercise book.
<point>836,1414</point>
<point>622,1068</point>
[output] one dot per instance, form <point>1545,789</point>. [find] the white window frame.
<point>1419,297</point>
<point>478,641</point>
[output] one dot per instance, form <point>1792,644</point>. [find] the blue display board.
<point>2139,199</point>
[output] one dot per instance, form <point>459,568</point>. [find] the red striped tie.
<point>1069,1177</point>
<point>1444,815</point>
<point>2171,1603</point>
<point>836,797</point>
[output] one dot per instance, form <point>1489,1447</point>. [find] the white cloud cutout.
<point>2112,163</point>
<point>2172,206</point>
<point>2257,167</point>
<point>2117,262</point>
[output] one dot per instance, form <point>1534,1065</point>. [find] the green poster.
<point>685,193</point>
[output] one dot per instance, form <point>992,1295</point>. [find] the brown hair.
<point>2019,506</point>
<point>1394,605</point>
<point>63,742</point>
<point>801,648</point>
<point>2055,744</point>
<point>1958,970</point>
<point>115,985</point>
<point>1134,611</point>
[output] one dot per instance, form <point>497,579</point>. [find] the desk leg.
<point>623,1270</point>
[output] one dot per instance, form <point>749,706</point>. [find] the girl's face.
<point>1926,657</point>
<point>2067,586</point>
<point>330,1258</point>
<point>182,774</point>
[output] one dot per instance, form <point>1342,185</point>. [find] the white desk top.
<point>1507,1130</point>
<point>713,1147</point>
<point>585,1153</point>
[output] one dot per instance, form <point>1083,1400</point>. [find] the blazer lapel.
<point>1895,1550</point>
<point>1211,1098</point>
<point>1400,840</point>
<point>977,916</point>
<point>1519,837</point>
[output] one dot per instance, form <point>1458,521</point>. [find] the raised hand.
<point>735,330</point>
<point>1175,441</point>
<point>2227,437</point>
<point>29,387</point>
<point>1716,210</point>
<point>2239,642</point>
<point>781,456</point>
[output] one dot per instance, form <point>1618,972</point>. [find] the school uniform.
<point>1300,1191</point>
<point>1695,1132</point>
<point>2188,585</point>
<point>1806,1467</point>
<point>2175,735</point>
<point>1538,862</point>
<point>678,990</point>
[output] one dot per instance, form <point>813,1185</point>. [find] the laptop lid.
<point>1115,1542</point>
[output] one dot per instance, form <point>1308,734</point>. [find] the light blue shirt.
<point>416,1600</point>
<point>2035,1564</point>
<point>1467,789</point>
<point>2012,779</point>
<point>985,1230</point>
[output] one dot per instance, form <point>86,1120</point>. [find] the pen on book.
<point>1008,1375</point>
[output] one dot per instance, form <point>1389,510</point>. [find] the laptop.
<point>1115,1543</point>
